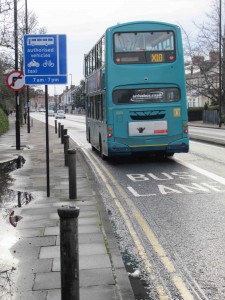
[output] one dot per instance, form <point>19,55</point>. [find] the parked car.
<point>51,112</point>
<point>60,114</point>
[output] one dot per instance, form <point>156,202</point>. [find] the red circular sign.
<point>15,80</point>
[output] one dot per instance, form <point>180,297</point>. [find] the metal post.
<point>55,126</point>
<point>220,64</point>
<point>62,128</point>
<point>64,133</point>
<point>47,141</point>
<point>69,253</point>
<point>17,104</point>
<point>59,130</point>
<point>28,96</point>
<point>66,147</point>
<point>72,174</point>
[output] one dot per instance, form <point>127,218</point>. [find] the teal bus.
<point>135,90</point>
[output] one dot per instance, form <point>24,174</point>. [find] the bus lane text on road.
<point>169,186</point>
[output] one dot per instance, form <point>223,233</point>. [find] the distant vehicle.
<point>41,110</point>
<point>60,114</point>
<point>51,112</point>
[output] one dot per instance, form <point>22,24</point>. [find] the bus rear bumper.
<point>178,146</point>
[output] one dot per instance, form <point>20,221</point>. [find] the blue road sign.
<point>45,59</point>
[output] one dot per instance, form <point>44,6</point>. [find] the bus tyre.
<point>169,154</point>
<point>101,150</point>
<point>89,136</point>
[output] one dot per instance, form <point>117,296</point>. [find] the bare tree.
<point>202,54</point>
<point>7,43</point>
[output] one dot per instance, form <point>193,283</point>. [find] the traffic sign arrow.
<point>15,80</point>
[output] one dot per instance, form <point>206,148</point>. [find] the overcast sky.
<point>85,21</point>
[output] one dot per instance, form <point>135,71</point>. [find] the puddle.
<point>9,200</point>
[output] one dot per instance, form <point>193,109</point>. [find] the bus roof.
<point>142,22</point>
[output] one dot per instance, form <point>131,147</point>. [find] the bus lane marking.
<point>176,188</point>
<point>201,171</point>
<point>166,262</point>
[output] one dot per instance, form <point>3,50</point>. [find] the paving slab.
<point>92,261</point>
<point>37,249</point>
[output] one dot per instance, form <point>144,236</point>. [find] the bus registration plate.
<point>148,128</point>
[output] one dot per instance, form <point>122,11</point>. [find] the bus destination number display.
<point>161,57</point>
<point>157,57</point>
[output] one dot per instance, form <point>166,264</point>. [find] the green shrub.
<point>4,122</point>
<point>195,108</point>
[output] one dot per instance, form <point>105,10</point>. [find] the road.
<point>212,135</point>
<point>168,216</point>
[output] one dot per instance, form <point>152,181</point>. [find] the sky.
<point>84,22</point>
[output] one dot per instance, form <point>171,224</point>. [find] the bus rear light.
<point>185,128</point>
<point>109,128</point>
<point>110,134</point>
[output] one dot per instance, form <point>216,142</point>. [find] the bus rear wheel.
<point>101,150</point>
<point>169,154</point>
<point>89,136</point>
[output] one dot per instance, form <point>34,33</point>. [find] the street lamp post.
<point>71,77</point>
<point>220,63</point>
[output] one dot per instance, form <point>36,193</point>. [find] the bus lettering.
<point>157,57</point>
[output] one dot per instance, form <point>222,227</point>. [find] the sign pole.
<point>16,68</point>
<point>46,69</point>
<point>28,96</point>
<point>47,140</point>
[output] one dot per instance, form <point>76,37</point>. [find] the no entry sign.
<point>15,80</point>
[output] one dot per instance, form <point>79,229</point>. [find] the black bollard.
<point>66,147</point>
<point>64,133</point>
<point>69,253</point>
<point>72,174</point>
<point>55,126</point>
<point>62,128</point>
<point>59,130</point>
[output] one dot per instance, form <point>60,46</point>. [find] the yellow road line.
<point>178,282</point>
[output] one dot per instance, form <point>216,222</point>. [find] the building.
<point>37,100</point>
<point>202,80</point>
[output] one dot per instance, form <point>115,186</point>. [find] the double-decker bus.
<point>135,90</point>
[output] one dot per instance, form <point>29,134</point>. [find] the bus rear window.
<point>141,96</point>
<point>144,47</point>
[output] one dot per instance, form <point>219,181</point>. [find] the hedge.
<point>4,122</point>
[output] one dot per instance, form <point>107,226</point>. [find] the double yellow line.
<point>175,277</point>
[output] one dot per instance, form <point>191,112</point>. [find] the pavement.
<point>35,253</point>
<point>206,125</point>
<point>217,139</point>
